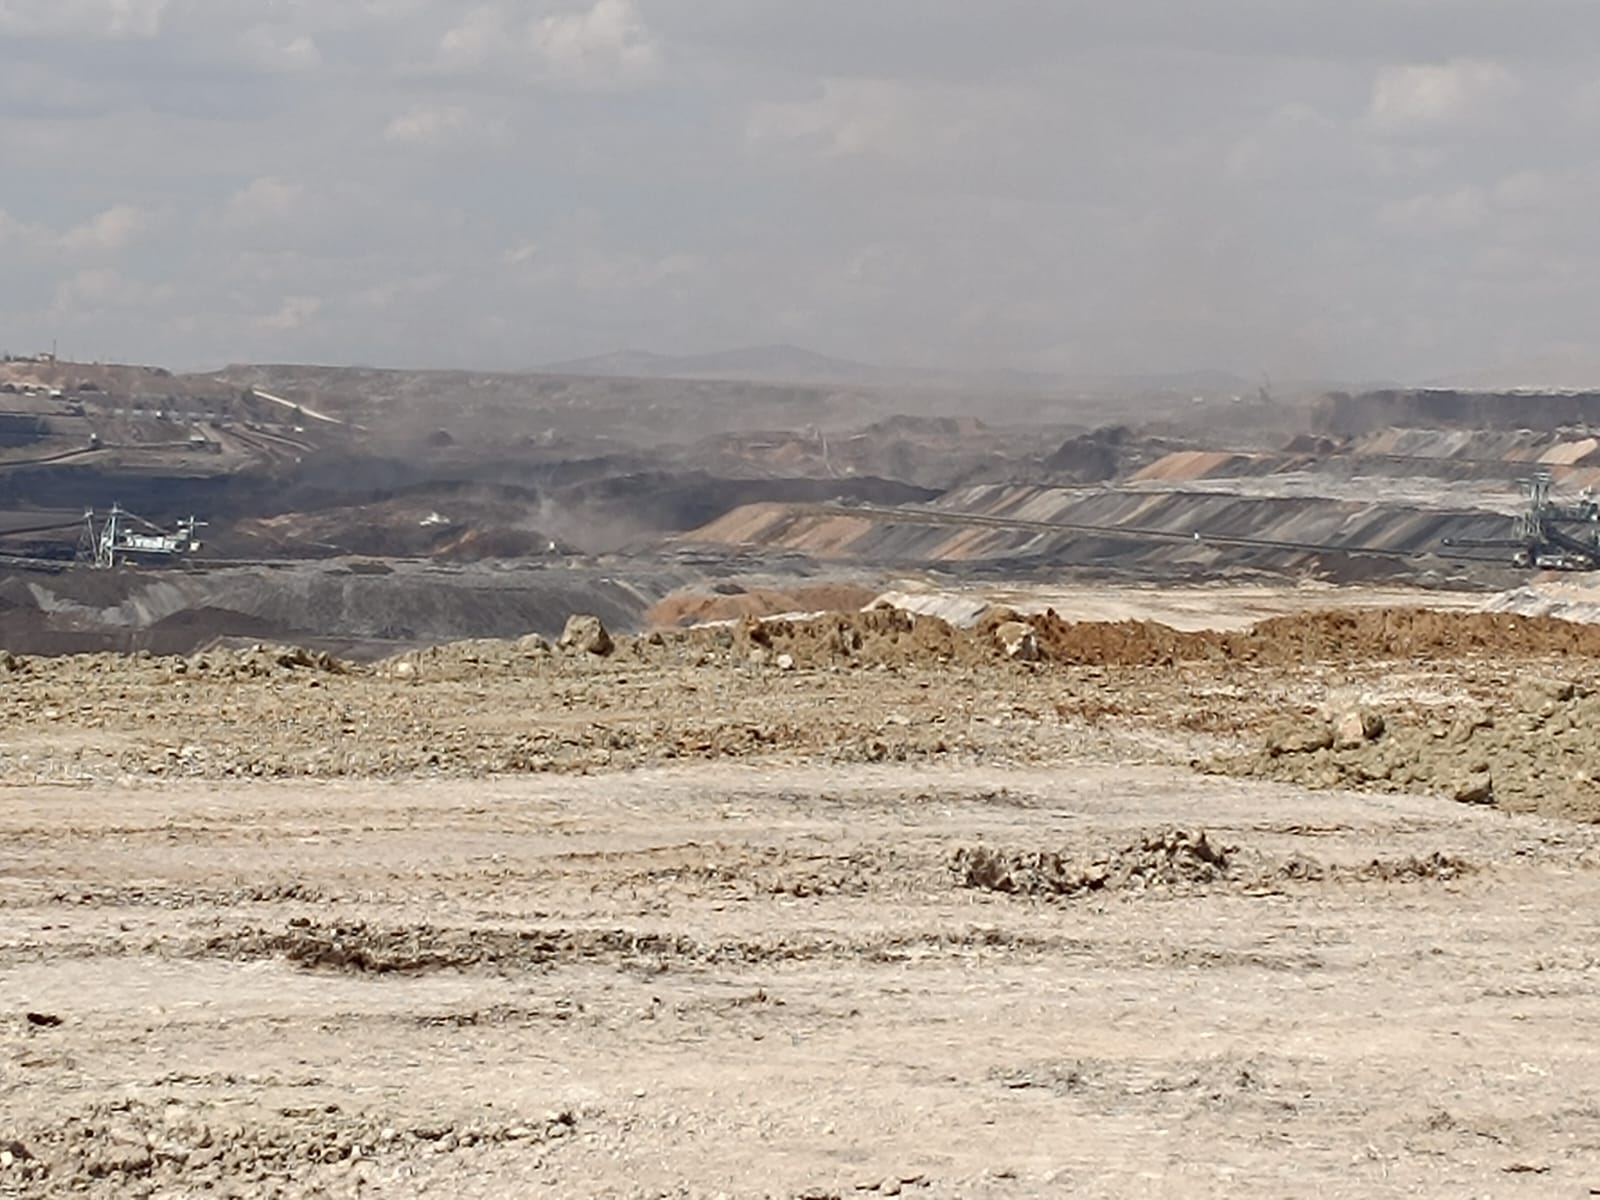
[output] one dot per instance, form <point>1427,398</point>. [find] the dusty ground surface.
<point>850,908</point>
<point>755,981</point>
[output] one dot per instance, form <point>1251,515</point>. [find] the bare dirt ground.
<point>746,981</point>
<point>898,915</point>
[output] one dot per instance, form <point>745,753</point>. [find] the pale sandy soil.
<point>754,979</point>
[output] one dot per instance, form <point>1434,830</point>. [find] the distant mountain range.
<point>796,364</point>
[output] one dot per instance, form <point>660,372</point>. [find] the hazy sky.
<point>1357,188</point>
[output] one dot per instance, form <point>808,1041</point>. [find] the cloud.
<point>294,313</point>
<point>602,45</point>
<point>444,126</point>
<point>1428,98</point>
<point>265,201</point>
<point>427,126</point>
<point>83,18</point>
<point>280,50</point>
<point>110,231</point>
<point>102,288</point>
<point>1438,214</point>
<point>476,39</point>
<point>868,117</point>
<point>1377,187</point>
<point>13,233</point>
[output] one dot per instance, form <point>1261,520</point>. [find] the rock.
<point>1356,728</point>
<point>1477,788</point>
<point>1018,640</point>
<point>120,1158</point>
<point>1555,691</point>
<point>1305,737</point>
<point>533,646</point>
<point>785,662</point>
<point>586,634</point>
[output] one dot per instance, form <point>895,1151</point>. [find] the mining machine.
<point>1550,535</point>
<point>123,535</point>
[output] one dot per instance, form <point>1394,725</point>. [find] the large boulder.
<point>586,634</point>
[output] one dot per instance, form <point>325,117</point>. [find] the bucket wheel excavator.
<point>1550,535</point>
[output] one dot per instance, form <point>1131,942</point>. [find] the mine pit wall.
<point>1137,535</point>
<point>153,494</point>
<point>1341,414</point>
<point>21,429</point>
<point>324,606</point>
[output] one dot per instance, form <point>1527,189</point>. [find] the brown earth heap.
<point>892,636</point>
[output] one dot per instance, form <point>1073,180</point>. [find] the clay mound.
<point>695,608</point>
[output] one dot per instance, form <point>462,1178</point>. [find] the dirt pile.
<point>259,661</point>
<point>132,1147</point>
<point>687,608</point>
<point>1322,637</point>
<point>1172,859</point>
<point>893,637</point>
<point>1179,862</point>
<point>1538,750</point>
<point>1411,869</point>
<point>470,658</point>
<point>878,637</point>
<point>876,686</point>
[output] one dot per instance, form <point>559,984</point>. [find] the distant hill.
<point>796,364</point>
<point>793,363</point>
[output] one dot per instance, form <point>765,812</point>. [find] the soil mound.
<point>893,637</point>
<point>881,636</point>
<point>1170,859</point>
<point>1178,861</point>
<point>694,608</point>
<point>1333,636</point>
<point>131,1147</point>
<point>1538,751</point>
<point>261,661</point>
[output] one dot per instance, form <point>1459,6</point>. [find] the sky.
<point>1365,189</point>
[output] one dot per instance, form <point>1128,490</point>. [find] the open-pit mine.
<point>496,785</point>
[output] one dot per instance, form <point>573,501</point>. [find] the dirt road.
<point>745,980</point>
